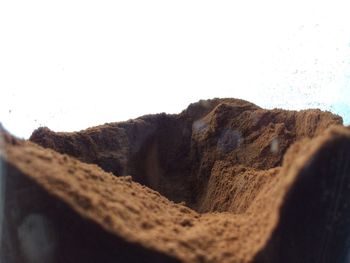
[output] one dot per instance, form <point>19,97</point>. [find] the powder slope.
<point>177,154</point>
<point>253,201</point>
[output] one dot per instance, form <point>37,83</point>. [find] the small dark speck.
<point>186,223</point>
<point>10,111</point>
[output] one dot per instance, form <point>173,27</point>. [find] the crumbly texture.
<point>217,183</point>
<point>176,154</point>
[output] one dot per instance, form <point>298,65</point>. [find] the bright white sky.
<point>72,64</point>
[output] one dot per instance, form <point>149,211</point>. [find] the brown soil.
<point>231,183</point>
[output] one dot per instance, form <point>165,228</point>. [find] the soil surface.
<point>223,181</point>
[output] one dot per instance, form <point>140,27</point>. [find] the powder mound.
<point>223,181</point>
<point>181,156</point>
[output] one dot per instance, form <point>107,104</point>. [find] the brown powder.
<point>258,185</point>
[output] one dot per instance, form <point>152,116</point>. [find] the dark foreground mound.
<point>255,185</point>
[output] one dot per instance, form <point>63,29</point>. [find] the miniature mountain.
<point>223,181</point>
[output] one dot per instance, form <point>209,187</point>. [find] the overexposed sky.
<point>72,64</point>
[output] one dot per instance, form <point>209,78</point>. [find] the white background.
<point>72,64</point>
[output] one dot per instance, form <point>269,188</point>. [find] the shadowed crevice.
<point>315,217</point>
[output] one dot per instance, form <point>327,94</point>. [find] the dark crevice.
<point>315,217</point>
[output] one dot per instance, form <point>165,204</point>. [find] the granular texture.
<point>223,181</point>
